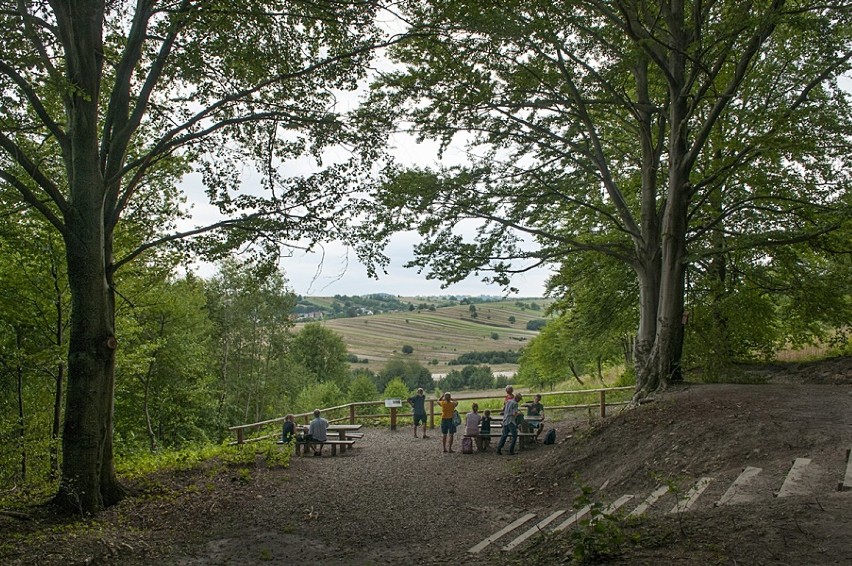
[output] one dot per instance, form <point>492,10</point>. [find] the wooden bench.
<point>523,437</point>
<point>301,445</point>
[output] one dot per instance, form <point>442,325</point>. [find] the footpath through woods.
<point>394,499</point>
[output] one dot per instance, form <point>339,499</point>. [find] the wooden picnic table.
<point>343,430</point>
<point>526,434</point>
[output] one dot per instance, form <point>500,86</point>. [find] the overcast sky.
<point>340,273</point>
<point>332,269</point>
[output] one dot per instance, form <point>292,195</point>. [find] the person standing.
<point>448,427</point>
<point>318,432</point>
<point>418,405</point>
<point>510,394</point>
<point>510,412</point>
<point>485,430</point>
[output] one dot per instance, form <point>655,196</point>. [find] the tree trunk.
<point>643,345</point>
<point>57,422</point>
<point>152,438</point>
<point>88,482</point>
<point>22,429</point>
<point>658,359</point>
<point>60,372</point>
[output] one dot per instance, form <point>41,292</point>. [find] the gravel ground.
<point>392,499</point>
<point>395,499</point>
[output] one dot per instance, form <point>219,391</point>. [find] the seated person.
<point>471,425</point>
<point>536,409</point>
<point>288,433</point>
<point>317,432</point>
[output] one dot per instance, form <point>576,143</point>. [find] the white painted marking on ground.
<point>537,528</point>
<point>613,507</point>
<point>847,481</point>
<point>794,482</point>
<point>508,528</point>
<point>691,496</point>
<point>572,519</point>
<point>650,500</point>
<point>736,493</point>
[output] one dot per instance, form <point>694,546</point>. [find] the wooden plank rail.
<point>349,412</point>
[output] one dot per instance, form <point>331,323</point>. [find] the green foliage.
<point>165,367</point>
<point>626,377</point>
<point>751,179</point>
<point>491,357</point>
<point>407,349</point>
<point>412,373</point>
<point>362,389</point>
<point>598,536</point>
<point>396,389</point>
<point>98,151</point>
<point>141,463</point>
<point>256,378</point>
<point>323,352</point>
<point>319,396</point>
<point>470,377</point>
<point>536,324</point>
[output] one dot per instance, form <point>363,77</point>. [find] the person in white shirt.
<point>471,425</point>
<point>318,431</point>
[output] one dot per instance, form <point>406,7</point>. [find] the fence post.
<point>240,436</point>
<point>603,404</point>
<point>393,418</point>
<point>431,413</point>
<point>351,414</point>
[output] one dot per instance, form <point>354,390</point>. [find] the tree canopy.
<point>660,135</point>
<point>107,104</point>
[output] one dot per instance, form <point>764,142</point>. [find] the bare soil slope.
<point>399,500</point>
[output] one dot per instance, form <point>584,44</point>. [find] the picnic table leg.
<point>334,449</point>
<point>342,446</point>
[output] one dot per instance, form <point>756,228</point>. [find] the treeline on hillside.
<point>491,357</point>
<point>350,306</point>
<point>472,377</point>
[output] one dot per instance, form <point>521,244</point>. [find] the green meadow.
<point>439,336</point>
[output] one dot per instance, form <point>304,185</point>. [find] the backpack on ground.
<point>550,436</point>
<point>456,418</point>
<point>467,445</point>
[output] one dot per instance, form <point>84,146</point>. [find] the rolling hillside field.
<point>439,336</point>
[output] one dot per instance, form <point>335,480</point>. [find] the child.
<point>485,430</point>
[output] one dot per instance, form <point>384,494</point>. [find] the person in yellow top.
<point>448,427</point>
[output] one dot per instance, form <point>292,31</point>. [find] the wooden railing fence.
<point>350,411</point>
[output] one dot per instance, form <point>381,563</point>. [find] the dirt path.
<point>399,500</point>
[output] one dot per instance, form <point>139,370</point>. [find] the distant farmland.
<point>439,336</point>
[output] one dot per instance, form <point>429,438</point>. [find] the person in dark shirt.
<point>418,405</point>
<point>536,409</point>
<point>485,430</point>
<point>288,433</point>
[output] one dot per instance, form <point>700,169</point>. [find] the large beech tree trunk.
<point>658,358</point>
<point>88,482</point>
